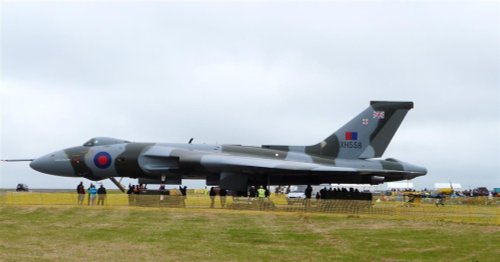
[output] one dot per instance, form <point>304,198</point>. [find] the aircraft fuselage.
<point>352,154</point>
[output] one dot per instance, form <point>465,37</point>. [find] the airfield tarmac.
<point>61,232</point>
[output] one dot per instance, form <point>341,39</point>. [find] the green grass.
<point>65,233</point>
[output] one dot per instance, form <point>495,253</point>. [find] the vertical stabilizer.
<point>367,135</point>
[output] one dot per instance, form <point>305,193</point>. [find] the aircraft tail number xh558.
<point>350,155</point>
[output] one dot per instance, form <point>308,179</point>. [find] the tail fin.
<point>365,136</point>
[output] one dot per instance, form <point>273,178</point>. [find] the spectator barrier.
<point>476,209</point>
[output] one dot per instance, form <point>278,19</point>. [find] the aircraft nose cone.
<point>417,171</point>
<point>41,164</point>
<point>53,164</point>
<point>423,170</point>
<point>36,164</point>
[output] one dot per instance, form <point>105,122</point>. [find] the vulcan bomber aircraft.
<point>352,154</point>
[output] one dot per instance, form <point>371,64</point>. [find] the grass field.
<point>68,233</point>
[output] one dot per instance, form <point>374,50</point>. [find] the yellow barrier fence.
<point>474,210</point>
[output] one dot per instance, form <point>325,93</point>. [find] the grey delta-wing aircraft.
<point>350,155</point>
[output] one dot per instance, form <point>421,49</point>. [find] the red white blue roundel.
<point>102,160</point>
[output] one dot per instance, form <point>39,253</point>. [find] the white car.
<point>295,197</point>
<point>296,194</point>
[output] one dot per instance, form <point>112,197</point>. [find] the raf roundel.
<point>102,160</point>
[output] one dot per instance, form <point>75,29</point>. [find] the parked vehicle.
<point>22,188</point>
<point>295,197</point>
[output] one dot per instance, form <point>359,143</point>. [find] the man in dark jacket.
<point>80,190</point>
<point>222,194</point>
<point>101,195</point>
<point>212,195</point>
<point>308,192</point>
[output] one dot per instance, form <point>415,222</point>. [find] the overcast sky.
<point>251,73</point>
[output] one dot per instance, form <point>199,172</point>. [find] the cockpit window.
<point>89,143</point>
<point>103,141</point>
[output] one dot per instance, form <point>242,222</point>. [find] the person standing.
<point>130,193</point>
<point>222,194</point>
<point>261,192</point>
<point>184,195</point>
<point>88,194</point>
<point>162,192</point>
<point>308,194</point>
<point>253,192</point>
<point>92,194</point>
<point>261,196</point>
<point>212,195</point>
<point>101,192</point>
<point>80,190</point>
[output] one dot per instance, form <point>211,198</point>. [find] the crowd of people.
<point>339,193</point>
<point>97,196</point>
<point>213,193</point>
<point>253,193</point>
<point>136,189</point>
<point>92,194</point>
<point>141,189</point>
